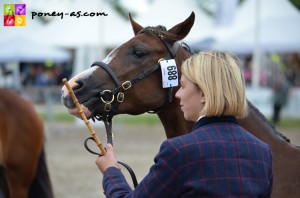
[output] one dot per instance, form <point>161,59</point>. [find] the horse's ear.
<point>182,29</point>
<point>135,26</point>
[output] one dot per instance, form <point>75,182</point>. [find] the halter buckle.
<point>126,85</point>
<point>161,59</point>
<point>107,107</point>
<point>120,97</point>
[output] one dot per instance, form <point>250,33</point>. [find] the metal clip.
<point>161,36</point>
<point>161,59</point>
<point>120,97</point>
<point>112,97</point>
<point>107,107</point>
<point>126,85</point>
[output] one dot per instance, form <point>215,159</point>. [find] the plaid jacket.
<point>217,159</point>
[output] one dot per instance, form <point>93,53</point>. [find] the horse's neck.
<point>258,125</point>
<point>173,121</point>
<point>171,116</point>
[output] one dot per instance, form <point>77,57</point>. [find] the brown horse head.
<point>129,79</point>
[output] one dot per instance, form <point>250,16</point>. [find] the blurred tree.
<point>208,6</point>
<point>296,3</point>
<point>121,9</point>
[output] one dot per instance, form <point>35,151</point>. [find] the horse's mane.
<point>260,115</point>
<point>187,48</point>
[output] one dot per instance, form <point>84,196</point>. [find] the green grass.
<point>58,117</point>
<point>137,119</point>
<point>285,123</point>
<point>128,119</point>
<point>289,123</point>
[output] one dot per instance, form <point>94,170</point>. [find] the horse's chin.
<point>76,113</point>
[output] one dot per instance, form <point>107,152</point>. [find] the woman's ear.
<point>202,99</point>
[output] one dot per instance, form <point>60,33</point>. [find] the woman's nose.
<point>177,94</point>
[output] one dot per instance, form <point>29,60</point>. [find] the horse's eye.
<point>139,53</point>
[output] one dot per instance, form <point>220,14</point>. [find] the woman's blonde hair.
<point>219,76</point>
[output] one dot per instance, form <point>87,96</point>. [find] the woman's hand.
<point>109,160</point>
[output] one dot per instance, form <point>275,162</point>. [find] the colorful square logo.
<point>20,9</point>
<point>14,14</point>
<point>20,20</point>
<point>9,9</point>
<point>9,20</point>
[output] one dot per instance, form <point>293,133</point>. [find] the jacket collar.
<point>214,119</point>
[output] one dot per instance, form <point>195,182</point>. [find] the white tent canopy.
<point>261,26</point>
<point>279,28</point>
<point>89,36</point>
<point>280,35</point>
<point>104,31</point>
<point>112,30</point>
<point>171,12</point>
<point>23,49</point>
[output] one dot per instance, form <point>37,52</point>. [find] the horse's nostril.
<point>78,85</point>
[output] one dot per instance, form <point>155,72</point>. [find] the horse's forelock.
<point>159,31</point>
<point>151,28</point>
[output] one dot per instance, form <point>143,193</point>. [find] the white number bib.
<point>169,73</point>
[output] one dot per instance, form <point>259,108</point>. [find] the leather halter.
<point>108,96</point>
<point>112,98</point>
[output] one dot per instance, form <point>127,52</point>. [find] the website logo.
<point>14,14</point>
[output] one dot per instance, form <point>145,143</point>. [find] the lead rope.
<point>108,127</point>
<point>109,134</point>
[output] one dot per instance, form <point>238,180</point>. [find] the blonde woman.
<point>218,158</point>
